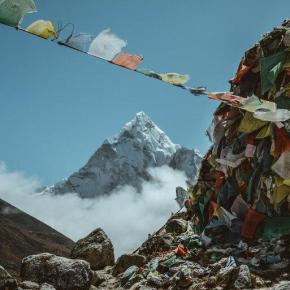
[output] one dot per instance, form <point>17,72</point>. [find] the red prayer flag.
<point>127,60</point>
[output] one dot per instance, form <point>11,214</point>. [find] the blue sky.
<point>58,106</point>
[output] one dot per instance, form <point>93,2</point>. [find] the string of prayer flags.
<point>106,45</point>
<point>262,109</point>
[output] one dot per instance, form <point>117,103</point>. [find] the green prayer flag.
<point>12,11</point>
<point>283,102</point>
<point>275,227</point>
<point>271,66</point>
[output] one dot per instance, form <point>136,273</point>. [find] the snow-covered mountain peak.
<point>141,129</point>
<point>142,123</point>
<point>125,158</point>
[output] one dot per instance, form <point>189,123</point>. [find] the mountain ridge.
<point>22,235</point>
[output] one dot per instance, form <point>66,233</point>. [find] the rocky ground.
<point>173,258</point>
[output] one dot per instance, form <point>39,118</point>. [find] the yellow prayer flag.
<point>174,78</point>
<point>42,28</point>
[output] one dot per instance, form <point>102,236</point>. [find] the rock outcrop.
<point>188,262</point>
<point>28,285</point>
<point>60,272</point>
<point>127,260</point>
<point>96,248</point>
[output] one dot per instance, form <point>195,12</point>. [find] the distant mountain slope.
<point>124,160</point>
<point>22,235</point>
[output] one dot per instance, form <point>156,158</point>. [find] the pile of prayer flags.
<point>244,180</point>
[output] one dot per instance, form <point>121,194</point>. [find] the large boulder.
<point>29,285</point>
<point>46,286</point>
<point>101,276</point>
<point>6,280</point>
<point>62,273</point>
<point>96,248</point>
<point>176,226</point>
<point>127,260</point>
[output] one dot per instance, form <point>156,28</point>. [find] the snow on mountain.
<point>188,161</point>
<point>125,158</point>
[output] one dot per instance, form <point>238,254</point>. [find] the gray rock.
<point>140,286</point>
<point>46,286</point>
<point>243,279</point>
<point>62,273</point>
<point>96,248</point>
<point>183,278</point>
<point>283,285</point>
<point>177,226</point>
<point>6,280</point>
<point>126,261</point>
<point>99,277</point>
<point>155,280</point>
<point>128,274</point>
<point>29,285</point>
<point>225,275</point>
<point>134,280</point>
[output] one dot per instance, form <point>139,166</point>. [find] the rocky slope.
<point>177,258</point>
<point>125,158</point>
<point>22,235</point>
<point>174,258</point>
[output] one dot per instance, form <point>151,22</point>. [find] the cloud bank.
<point>125,215</point>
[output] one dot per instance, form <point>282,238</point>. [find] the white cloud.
<point>126,216</point>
